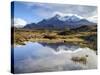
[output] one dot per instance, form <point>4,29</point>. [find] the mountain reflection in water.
<point>42,57</point>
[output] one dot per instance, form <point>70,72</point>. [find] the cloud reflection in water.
<point>35,57</point>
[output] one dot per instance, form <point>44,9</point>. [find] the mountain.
<point>32,25</point>
<point>61,22</point>
<point>52,22</point>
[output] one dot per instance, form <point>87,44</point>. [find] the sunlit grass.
<point>79,38</point>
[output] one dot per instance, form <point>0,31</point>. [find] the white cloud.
<point>93,18</point>
<point>18,22</point>
<point>81,10</point>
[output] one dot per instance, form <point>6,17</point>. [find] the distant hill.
<point>86,28</point>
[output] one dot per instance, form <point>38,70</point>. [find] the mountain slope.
<point>61,22</point>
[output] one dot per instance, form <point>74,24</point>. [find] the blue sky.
<point>29,12</point>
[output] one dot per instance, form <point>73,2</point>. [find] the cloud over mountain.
<point>35,12</point>
<point>18,22</point>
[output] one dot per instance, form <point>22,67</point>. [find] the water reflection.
<point>41,57</point>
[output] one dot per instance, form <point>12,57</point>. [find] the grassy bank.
<point>84,39</point>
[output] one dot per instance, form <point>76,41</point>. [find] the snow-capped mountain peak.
<point>71,18</point>
<point>57,16</point>
<point>68,17</point>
